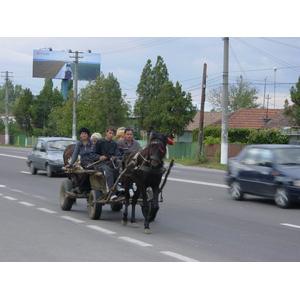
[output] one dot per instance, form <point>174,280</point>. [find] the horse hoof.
<point>147,230</point>
<point>135,225</point>
<point>124,223</point>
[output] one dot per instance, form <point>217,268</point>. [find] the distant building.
<point>10,117</point>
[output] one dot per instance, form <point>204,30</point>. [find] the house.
<point>253,118</point>
<point>10,117</point>
<point>209,119</point>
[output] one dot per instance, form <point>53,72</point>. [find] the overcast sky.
<point>271,64</point>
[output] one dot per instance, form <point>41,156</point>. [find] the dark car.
<point>266,170</point>
<point>47,154</point>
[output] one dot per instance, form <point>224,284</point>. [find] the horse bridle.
<point>161,148</point>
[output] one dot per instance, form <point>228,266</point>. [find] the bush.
<point>244,136</point>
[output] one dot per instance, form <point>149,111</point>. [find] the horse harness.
<point>147,168</point>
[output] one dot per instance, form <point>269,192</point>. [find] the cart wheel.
<point>117,206</point>
<point>66,202</point>
<point>95,209</point>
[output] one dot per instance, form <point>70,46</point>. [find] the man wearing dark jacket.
<point>107,151</point>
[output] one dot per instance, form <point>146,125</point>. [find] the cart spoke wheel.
<point>66,202</point>
<point>95,209</point>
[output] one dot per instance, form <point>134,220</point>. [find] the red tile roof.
<point>254,118</point>
<point>209,119</point>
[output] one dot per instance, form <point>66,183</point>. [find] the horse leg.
<point>134,223</point>
<point>125,213</point>
<point>146,212</point>
<point>155,206</point>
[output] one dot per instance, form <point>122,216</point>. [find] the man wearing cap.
<point>84,149</point>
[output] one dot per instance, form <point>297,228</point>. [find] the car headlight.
<point>58,161</point>
<point>296,183</point>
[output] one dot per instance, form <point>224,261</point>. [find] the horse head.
<point>157,149</point>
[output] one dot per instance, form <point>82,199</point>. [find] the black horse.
<point>145,168</point>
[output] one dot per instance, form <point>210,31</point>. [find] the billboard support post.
<point>59,65</point>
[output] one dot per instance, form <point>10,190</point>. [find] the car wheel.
<point>236,191</point>
<point>33,170</point>
<point>281,198</point>
<point>49,172</point>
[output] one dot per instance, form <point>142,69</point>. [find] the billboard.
<point>60,65</point>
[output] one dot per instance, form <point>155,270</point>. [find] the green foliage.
<point>240,95</point>
<point>209,140</point>
<point>23,111</point>
<point>293,111</point>
<point>99,104</point>
<point>202,159</point>
<point>212,135</point>
<point>239,135</point>
<point>161,106</point>
<point>14,92</point>
<point>271,136</point>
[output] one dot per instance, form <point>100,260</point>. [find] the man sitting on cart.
<point>107,151</point>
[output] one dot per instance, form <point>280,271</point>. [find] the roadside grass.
<point>195,163</point>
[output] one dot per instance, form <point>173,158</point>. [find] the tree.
<point>100,104</point>
<point>241,95</point>
<point>23,112</point>
<point>293,111</point>
<point>14,92</point>
<point>175,111</point>
<point>160,105</point>
<point>42,106</point>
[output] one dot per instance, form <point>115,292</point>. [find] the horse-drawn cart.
<point>98,189</point>
<point>144,167</point>
<point>99,195</point>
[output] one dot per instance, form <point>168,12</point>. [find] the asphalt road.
<point>197,222</point>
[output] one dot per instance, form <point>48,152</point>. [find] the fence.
<point>19,140</point>
<point>178,150</point>
<point>190,150</point>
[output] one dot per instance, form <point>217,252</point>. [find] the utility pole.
<point>201,121</point>
<point>6,106</point>
<point>224,138</point>
<point>275,69</point>
<point>265,92</point>
<point>75,93</point>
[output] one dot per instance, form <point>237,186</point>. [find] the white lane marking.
<point>18,191</point>
<point>199,182</point>
<point>14,156</point>
<point>290,225</point>
<point>27,203</point>
<point>178,256</point>
<point>134,241</point>
<point>72,219</point>
<point>10,198</point>
<point>47,210</point>
<point>101,229</point>
<point>1,185</point>
<point>25,172</point>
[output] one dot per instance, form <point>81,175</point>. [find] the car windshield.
<point>58,145</point>
<point>288,156</point>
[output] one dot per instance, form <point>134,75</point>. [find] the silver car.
<point>47,155</point>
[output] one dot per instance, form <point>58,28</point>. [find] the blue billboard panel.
<point>60,65</point>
